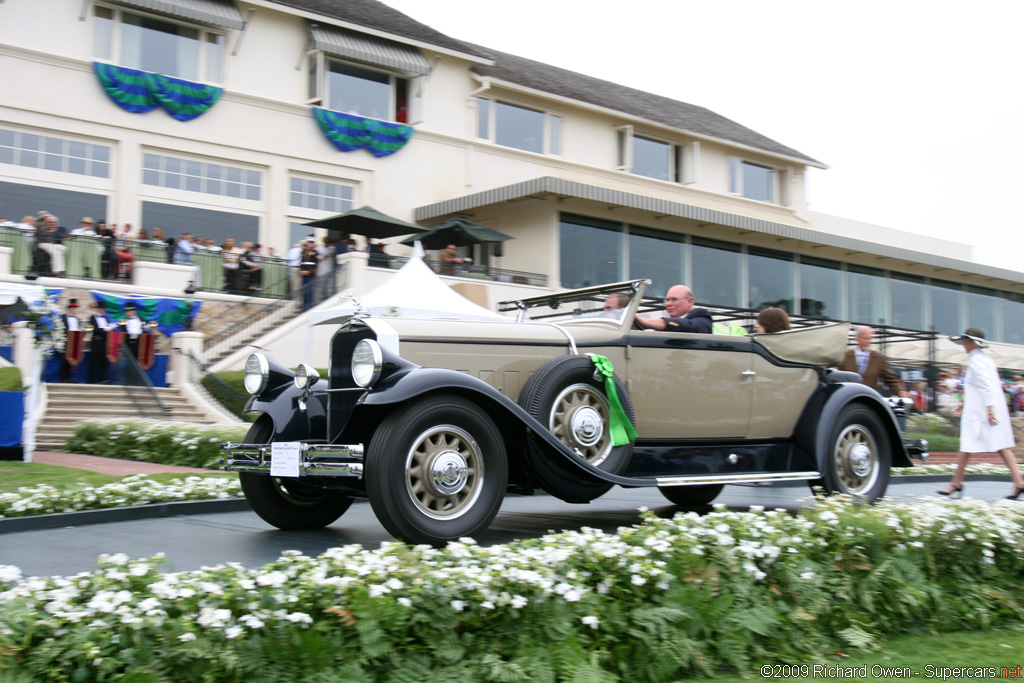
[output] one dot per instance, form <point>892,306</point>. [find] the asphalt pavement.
<point>192,541</point>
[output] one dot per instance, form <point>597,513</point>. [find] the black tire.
<point>436,470</point>
<point>691,496</point>
<point>564,390</point>
<point>286,502</point>
<point>858,457</point>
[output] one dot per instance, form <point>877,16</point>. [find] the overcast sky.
<point>916,106</point>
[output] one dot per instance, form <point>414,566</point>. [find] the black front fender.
<point>291,423</point>
<point>814,426</point>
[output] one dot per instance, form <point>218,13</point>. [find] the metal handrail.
<point>248,321</point>
<point>138,385</point>
<point>468,271</point>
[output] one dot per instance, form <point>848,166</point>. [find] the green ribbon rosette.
<point>622,430</point>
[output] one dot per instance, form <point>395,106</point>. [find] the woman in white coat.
<point>985,421</point>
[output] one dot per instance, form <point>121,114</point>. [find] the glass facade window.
<point>216,225</point>
<point>947,307</point>
<point>652,158</point>
<point>658,256</point>
<point>771,279</point>
<point>201,176</point>
<point>821,288</point>
<point>1013,318</point>
<point>752,181</point>
<point>54,154</point>
<point>983,311</point>
<point>511,125</point>
<point>909,302</point>
<point>356,90</point>
<point>320,195</point>
<point>866,298</point>
<point>590,252</point>
<point>155,44</point>
<point>717,271</point>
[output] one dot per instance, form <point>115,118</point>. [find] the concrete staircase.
<point>69,404</point>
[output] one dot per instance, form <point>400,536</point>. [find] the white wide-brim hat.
<point>972,333</point>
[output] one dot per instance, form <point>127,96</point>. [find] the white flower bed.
<point>134,490</point>
<point>585,581</point>
<point>980,468</point>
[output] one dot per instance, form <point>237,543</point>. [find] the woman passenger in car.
<point>771,320</point>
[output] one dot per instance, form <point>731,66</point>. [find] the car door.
<point>780,392</point>
<point>689,386</point>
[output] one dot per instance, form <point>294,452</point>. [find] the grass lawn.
<point>17,474</point>
<point>10,379</point>
<point>998,648</point>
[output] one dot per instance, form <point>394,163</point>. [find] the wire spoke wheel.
<point>444,472</point>
<point>580,418</point>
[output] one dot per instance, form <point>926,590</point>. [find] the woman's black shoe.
<point>957,492</point>
<point>1016,493</point>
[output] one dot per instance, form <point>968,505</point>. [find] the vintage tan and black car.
<point>435,420</point>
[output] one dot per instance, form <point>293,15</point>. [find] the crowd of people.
<point>96,328</point>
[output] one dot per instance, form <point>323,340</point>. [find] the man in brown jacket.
<point>871,365</point>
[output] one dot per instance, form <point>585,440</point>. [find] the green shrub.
<point>168,443</point>
<point>10,379</point>
<point>229,390</point>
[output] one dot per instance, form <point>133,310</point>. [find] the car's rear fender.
<point>815,425</point>
<point>525,437</point>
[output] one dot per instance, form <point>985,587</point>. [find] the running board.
<point>736,478</point>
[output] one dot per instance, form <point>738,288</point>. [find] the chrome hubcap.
<point>444,472</point>
<point>579,418</point>
<point>449,473</point>
<point>856,459</point>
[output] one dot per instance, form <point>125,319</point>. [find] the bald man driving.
<point>682,316</point>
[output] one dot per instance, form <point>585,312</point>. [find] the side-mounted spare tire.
<point>567,396</point>
<point>286,502</point>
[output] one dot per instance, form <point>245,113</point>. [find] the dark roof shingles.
<point>551,79</point>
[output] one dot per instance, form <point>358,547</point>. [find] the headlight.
<point>306,376</point>
<point>366,362</point>
<point>257,371</point>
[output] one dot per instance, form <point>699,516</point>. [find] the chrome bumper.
<point>315,460</point>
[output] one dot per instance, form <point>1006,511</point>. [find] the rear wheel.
<point>691,496</point>
<point>436,470</point>
<point>859,455</point>
<point>286,502</point>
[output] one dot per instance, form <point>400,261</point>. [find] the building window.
<point>511,125</point>
<point>867,295</point>
<point>909,301</point>
<point>983,311</point>
<point>771,276</point>
<point>821,288</point>
<point>354,89</point>
<point>947,307</point>
<point>717,272</point>
<point>201,176</point>
<point>1013,318</point>
<point>753,181</point>
<point>54,154</point>
<point>590,252</point>
<point>657,256</point>
<point>656,158</point>
<point>320,195</point>
<point>216,225</point>
<point>139,41</point>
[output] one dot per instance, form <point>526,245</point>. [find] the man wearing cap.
<point>871,365</point>
<point>132,328</point>
<point>71,324</point>
<point>985,420</point>
<point>84,227</point>
<point>98,362</point>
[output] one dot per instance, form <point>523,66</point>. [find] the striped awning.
<point>222,13</point>
<point>369,49</point>
<point>547,185</point>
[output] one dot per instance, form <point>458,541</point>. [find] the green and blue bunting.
<point>171,315</point>
<point>348,132</point>
<point>142,91</point>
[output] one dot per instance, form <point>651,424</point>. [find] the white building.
<point>595,181</point>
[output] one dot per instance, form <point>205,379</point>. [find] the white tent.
<point>414,291</point>
<point>11,292</point>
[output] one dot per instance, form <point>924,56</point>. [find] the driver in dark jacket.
<point>682,316</point>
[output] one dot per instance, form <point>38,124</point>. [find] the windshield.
<point>610,303</point>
